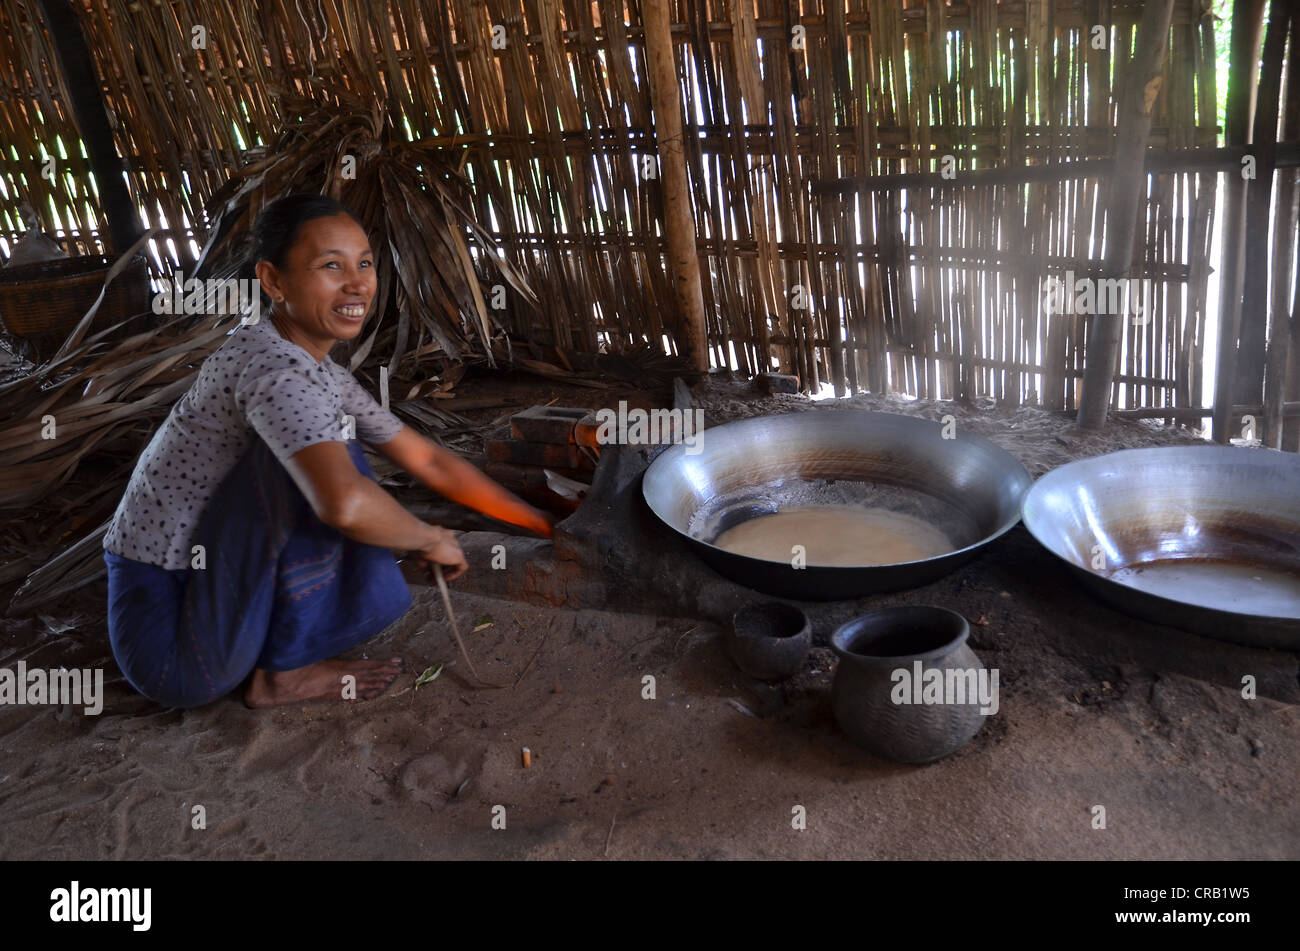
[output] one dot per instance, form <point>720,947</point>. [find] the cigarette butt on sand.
<point>528,758</point>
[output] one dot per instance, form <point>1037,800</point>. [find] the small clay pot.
<point>876,706</point>
<point>769,640</point>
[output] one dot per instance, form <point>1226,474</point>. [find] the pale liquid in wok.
<point>837,535</point>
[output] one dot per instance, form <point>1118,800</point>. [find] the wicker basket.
<point>47,300</point>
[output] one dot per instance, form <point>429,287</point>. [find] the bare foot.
<point>322,681</point>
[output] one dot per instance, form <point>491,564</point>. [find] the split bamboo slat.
<point>545,109</point>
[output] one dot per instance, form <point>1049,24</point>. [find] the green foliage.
<point>1222,52</point>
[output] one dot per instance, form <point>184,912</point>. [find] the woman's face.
<point>327,282</point>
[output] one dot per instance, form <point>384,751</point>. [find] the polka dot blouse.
<point>256,385</point>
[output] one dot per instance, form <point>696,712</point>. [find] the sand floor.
<point>713,767</point>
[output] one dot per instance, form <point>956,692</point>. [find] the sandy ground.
<point>712,767</point>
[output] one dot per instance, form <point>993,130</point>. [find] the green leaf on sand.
<point>428,677</point>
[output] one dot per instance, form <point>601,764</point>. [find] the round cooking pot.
<point>966,487</point>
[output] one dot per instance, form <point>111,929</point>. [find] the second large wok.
<point>1204,538</point>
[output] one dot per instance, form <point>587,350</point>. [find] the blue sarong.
<point>280,590</point>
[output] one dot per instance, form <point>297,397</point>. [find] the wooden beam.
<point>1290,441</point>
<point>679,219</point>
<point>1243,72</point>
<point>1282,324</point>
<point>1124,203</point>
<point>1193,413</point>
<point>83,89</point>
<point>1248,385</point>
<point>1286,155</point>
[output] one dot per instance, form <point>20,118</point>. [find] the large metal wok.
<point>966,487</point>
<point>1204,538</point>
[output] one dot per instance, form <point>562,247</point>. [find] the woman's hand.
<point>443,549</point>
<point>545,525</point>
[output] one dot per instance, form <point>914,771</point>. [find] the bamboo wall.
<point>933,291</point>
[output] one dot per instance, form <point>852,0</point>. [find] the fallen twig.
<point>529,665</point>
<point>610,834</point>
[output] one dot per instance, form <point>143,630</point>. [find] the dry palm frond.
<point>100,394</point>
<point>97,398</point>
<point>412,206</point>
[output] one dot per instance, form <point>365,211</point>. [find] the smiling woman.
<point>252,544</point>
<point>319,271</point>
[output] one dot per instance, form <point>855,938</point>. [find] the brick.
<point>529,483</point>
<point>548,424</point>
<point>668,428</point>
<point>537,454</point>
<point>509,474</point>
<point>584,433</point>
<point>514,477</point>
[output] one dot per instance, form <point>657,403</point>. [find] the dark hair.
<point>277,227</point>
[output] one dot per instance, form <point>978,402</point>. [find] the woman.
<point>252,544</point>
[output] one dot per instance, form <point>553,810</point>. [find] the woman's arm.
<point>454,478</point>
<point>346,500</point>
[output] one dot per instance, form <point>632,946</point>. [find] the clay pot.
<point>769,640</point>
<point>885,712</point>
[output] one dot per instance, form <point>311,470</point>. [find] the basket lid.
<point>35,247</point>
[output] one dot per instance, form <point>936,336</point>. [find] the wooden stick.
<point>455,630</point>
<point>679,221</point>
<point>1204,160</point>
<point>1143,84</point>
<point>610,834</point>
<point>1248,381</point>
<point>1289,440</point>
<point>1287,255</point>
<point>1286,411</point>
<point>1247,31</point>
<point>529,666</point>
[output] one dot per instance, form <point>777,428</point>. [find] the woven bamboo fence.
<point>544,107</point>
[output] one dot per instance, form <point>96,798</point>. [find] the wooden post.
<point>1291,390</point>
<point>1290,436</point>
<point>1247,31</point>
<point>82,86</point>
<point>1248,384</point>
<point>1124,203</point>
<point>1287,257</point>
<point>679,220</point>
